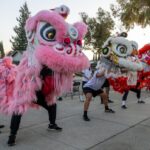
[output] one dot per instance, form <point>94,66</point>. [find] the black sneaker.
<point>124,107</point>
<point>54,127</point>
<point>141,102</point>
<point>110,101</point>
<point>2,126</point>
<point>86,118</point>
<point>60,99</point>
<point>11,140</point>
<point>109,111</point>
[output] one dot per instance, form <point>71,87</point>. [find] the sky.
<point>9,11</point>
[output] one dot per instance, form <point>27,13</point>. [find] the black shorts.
<point>94,93</point>
<point>83,82</point>
<point>106,83</point>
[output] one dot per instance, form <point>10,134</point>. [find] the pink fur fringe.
<point>27,82</point>
<point>59,62</point>
<point>7,79</point>
<point>82,29</point>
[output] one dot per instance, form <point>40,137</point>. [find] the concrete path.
<point>125,130</point>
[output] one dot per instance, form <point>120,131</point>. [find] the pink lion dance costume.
<point>144,76</point>
<point>53,54</point>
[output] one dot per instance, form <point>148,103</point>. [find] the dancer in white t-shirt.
<point>86,76</point>
<point>93,88</point>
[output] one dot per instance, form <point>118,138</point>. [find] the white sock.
<point>123,102</point>
<point>139,100</point>
<point>81,98</point>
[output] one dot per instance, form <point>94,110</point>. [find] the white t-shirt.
<point>96,83</point>
<point>87,73</point>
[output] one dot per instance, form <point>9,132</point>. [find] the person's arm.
<point>110,74</point>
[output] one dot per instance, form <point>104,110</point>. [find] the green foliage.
<point>99,29</point>
<point>2,53</point>
<point>19,42</point>
<point>132,12</point>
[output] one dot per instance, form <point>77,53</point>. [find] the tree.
<point>2,53</point>
<point>19,42</point>
<point>99,29</point>
<point>132,12</point>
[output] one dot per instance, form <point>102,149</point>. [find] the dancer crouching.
<point>93,88</point>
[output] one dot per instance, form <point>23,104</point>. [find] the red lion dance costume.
<point>53,55</point>
<point>144,76</point>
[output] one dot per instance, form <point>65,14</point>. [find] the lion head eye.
<point>106,51</point>
<point>73,33</point>
<point>122,49</point>
<point>48,32</point>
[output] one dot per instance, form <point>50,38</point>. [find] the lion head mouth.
<point>59,59</point>
<point>68,50</point>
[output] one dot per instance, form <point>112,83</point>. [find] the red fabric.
<point>144,49</point>
<point>144,79</point>
<point>120,84</point>
<point>48,85</point>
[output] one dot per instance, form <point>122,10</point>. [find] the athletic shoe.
<point>2,126</point>
<point>52,127</point>
<point>110,101</point>
<point>60,99</point>
<point>11,140</point>
<point>86,118</point>
<point>124,107</point>
<point>141,102</point>
<point>109,111</point>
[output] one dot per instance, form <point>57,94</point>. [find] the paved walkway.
<point>125,130</point>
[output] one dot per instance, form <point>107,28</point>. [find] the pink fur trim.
<point>7,79</point>
<point>27,82</point>
<point>59,62</point>
<point>82,29</point>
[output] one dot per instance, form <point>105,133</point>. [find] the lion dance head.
<point>52,42</point>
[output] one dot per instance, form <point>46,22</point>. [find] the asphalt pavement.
<point>125,130</point>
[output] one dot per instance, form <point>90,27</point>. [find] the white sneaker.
<point>81,99</point>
